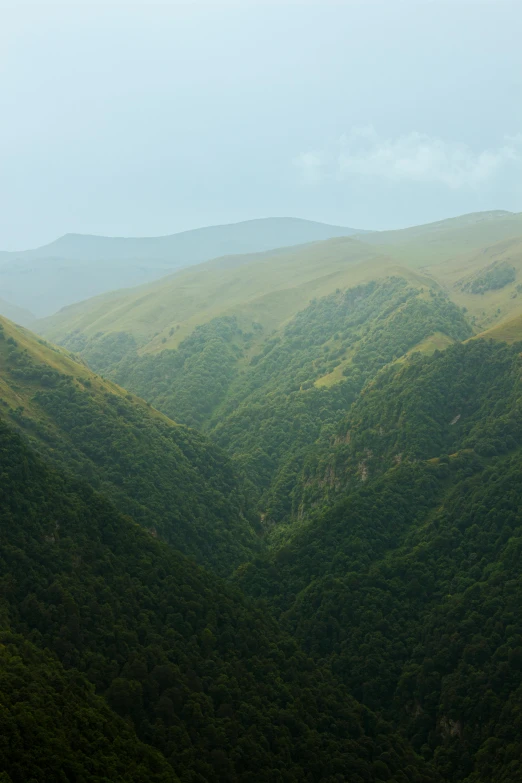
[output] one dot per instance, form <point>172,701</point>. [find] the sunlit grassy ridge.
<point>77,266</point>
<point>509,331</point>
<point>454,251</point>
<point>264,288</point>
<point>269,288</point>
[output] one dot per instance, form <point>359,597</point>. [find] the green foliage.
<point>54,727</point>
<point>269,412</point>
<point>186,384</point>
<point>462,398</point>
<point>395,580</point>
<point>169,478</point>
<point>198,672</point>
<point>275,412</point>
<point>498,275</point>
<point>409,585</point>
<point>104,351</point>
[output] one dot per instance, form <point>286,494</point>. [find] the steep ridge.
<point>465,398</point>
<point>452,236</point>
<point>405,574</point>
<point>75,266</point>
<point>262,288</point>
<point>267,404</point>
<point>198,673</point>
<point>484,248</point>
<point>305,379</point>
<point>171,479</point>
<point>272,287</point>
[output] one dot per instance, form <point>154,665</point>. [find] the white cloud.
<point>311,166</point>
<point>412,157</point>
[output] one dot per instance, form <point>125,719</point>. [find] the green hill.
<point>451,237</point>
<point>347,400</point>
<point>198,674</point>
<point>266,352</point>
<point>171,479</point>
<point>266,401</point>
<point>77,266</point>
<point>265,288</point>
<point>458,254</point>
<point>270,288</point>
<point>405,573</point>
<point>508,331</point>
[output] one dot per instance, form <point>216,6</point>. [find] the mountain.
<point>171,479</point>
<point>453,235</point>
<point>266,398</point>
<point>193,682</point>
<point>356,481</point>
<point>17,314</point>
<point>404,571</point>
<point>264,352</point>
<point>263,288</point>
<point>187,247</point>
<point>476,258</point>
<point>77,266</point>
<point>270,288</point>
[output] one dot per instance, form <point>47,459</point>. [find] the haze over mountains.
<point>260,519</point>
<point>269,288</point>
<point>261,481</point>
<point>77,266</point>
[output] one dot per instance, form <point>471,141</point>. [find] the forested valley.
<point>270,548</point>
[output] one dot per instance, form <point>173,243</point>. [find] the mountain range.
<point>77,266</point>
<point>260,519</point>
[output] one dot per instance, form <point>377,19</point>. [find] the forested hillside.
<point>347,455</point>
<point>267,404</point>
<point>171,479</point>
<point>266,353</point>
<point>54,726</point>
<point>409,584</point>
<point>202,676</point>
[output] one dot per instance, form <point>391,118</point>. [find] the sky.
<point>146,119</point>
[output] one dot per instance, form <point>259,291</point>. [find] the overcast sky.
<point>142,119</point>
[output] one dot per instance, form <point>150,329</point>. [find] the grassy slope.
<point>451,251</point>
<point>264,288</point>
<point>170,478</point>
<point>509,331</point>
<point>269,288</point>
<point>450,237</point>
<point>77,266</point>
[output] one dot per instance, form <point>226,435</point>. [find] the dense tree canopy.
<point>198,672</point>
<point>170,478</point>
<point>360,490</point>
